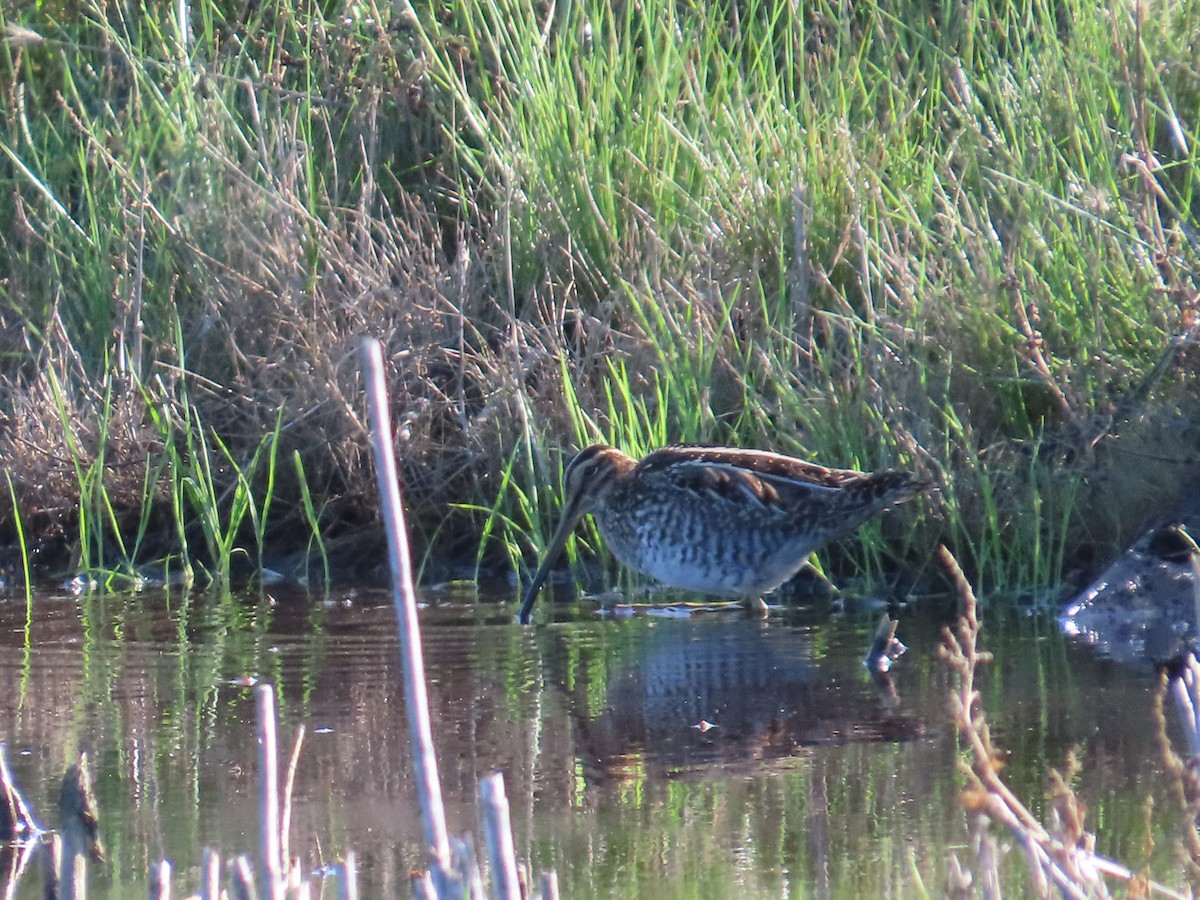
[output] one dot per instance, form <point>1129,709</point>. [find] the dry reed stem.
<point>1183,779</point>
<point>51,862</point>
<point>210,874</point>
<point>289,785</point>
<point>241,879</point>
<point>346,875</point>
<point>548,883</point>
<point>271,874</point>
<point>497,829</point>
<point>1063,860</point>
<point>160,880</point>
<point>433,815</point>
<point>1036,353</point>
<point>15,816</point>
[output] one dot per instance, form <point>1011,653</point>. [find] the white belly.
<point>727,571</point>
<point>722,581</point>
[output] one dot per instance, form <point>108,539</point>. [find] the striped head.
<point>589,478</point>
<point>586,483</point>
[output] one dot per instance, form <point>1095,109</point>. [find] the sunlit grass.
<point>953,239</point>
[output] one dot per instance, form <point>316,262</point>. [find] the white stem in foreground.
<point>433,813</point>
<point>497,831</point>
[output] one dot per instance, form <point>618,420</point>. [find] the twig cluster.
<point>65,854</point>
<point>1183,771</point>
<point>1061,857</point>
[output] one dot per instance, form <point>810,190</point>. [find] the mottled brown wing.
<point>745,491</point>
<point>760,462</point>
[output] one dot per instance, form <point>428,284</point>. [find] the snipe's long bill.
<point>716,520</point>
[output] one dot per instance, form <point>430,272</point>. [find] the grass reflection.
<point>811,781</point>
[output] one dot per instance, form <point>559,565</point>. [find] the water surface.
<point>814,780</point>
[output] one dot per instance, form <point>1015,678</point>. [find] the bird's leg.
<point>756,606</point>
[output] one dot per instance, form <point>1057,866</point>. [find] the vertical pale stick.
<point>549,882</point>
<point>160,880</point>
<point>285,812</point>
<point>21,819</point>
<point>497,831</point>
<point>210,874</point>
<point>422,886</point>
<point>268,803</point>
<point>347,878</point>
<point>81,838</point>
<point>433,814</point>
<point>241,879</point>
<point>51,853</point>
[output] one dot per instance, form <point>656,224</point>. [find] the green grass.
<point>949,237</point>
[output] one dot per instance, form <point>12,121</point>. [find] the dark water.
<point>815,780</point>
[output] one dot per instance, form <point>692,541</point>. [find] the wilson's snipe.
<point>734,523</point>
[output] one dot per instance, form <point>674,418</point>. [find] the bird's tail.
<point>895,486</point>
<point>881,490</point>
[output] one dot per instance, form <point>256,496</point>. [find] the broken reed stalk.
<point>51,863</point>
<point>463,854</point>
<point>21,855</point>
<point>79,824</point>
<point>289,787</point>
<point>63,855</point>
<point>433,815</point>
<point>210,874</point>
<point>268,802</point>
<point>1194,564</point>
<point>422,886</point>
<point>15,817</point>
<point>497,832</point>
<point>241,873</point>
<point>347,878</point>
<point>160,880</point>
<point>549,885</point>
<point>1185,692</point>
<point>1182,683</point>
<point>241,879</point>
<point>1183,687</point>
<point>1067,864</point>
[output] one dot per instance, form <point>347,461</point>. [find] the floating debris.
<point>80,584</point>
<point>679,610</point>
<point>885,648</point>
